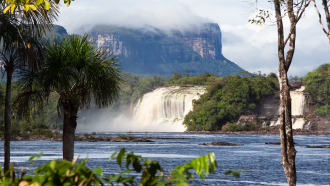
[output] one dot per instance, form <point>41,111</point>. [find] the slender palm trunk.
<point>72,130</point>
<point>66,134</point>
<point>69,128</point>
<point>9,72</point>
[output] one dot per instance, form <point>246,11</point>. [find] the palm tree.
<point>17,31</point>
<point>12,58</point>
<point>78,72</point>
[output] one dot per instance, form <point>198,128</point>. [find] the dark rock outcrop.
<point>220,144</point>
<point>318,146</point>
<point>273,143</point>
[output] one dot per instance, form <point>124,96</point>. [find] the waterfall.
<point>275,123</point>
<point>166,107</point>
<point>297,101</point>
<point>298,123</point>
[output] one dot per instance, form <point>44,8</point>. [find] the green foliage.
<point>229,98</point>
<point>249,126</point>
<point>323,110</point>
<point>46,117</point>
<point>201,79</point>
<point>152,172</point>
<point>318,83</point>
<point>32,4</point>
<point>295,78</point>
<point>235,173</point>
<point>129,136</point>
<point>318,86</point>
<point>63,172</point>
<point>237,93</point>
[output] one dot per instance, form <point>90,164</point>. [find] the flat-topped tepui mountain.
<point>152,51</point>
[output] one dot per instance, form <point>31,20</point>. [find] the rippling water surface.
<point>313,165</point>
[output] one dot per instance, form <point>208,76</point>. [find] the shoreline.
<point>271,131</point>
<point>90,138</point>
<point>132,138</point>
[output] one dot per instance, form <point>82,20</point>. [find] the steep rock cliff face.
<point>149,50</point>
<point>206,42</point>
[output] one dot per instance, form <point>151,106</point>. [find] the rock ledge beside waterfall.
<point>303,117</point>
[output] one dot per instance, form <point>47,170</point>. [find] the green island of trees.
<point>318,86</point>
<point>229,98</point>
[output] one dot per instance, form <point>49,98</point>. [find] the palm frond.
<point>76,70</point>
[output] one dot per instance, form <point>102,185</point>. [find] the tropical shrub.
<point>322,110</point>
<point>318,86</point>
<point>63,172</point>
<point>318,83</point>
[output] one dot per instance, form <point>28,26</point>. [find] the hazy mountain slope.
<point>151,51</point>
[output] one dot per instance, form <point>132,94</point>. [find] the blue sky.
<point>252,47</point>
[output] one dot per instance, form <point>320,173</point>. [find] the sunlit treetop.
<point>11,5</point>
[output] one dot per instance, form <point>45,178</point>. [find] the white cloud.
<point>169,14</point>
<point>252,47</point>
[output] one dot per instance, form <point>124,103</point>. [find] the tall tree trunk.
<point>288,151</point>
<point>66,135</point>
<point>69,128</point>
<point>9,72</point>
<point>72,130</point>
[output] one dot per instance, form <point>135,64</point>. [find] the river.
<point>254,155</point>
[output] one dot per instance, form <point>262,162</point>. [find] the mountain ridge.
<point>150,50</point>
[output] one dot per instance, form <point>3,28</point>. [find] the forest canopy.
<point>318,87</point>
<point>229,98</point>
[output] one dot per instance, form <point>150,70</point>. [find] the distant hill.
<point>57,31</point>
<point>152,51</point>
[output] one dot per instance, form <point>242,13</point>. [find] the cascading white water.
<point>297,101</point>
<point>297,108</point>
<point>166,107</point>
<point>298,123</point>
<point>274,123</point>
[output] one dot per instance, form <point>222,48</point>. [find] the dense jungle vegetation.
<point>318,86</point>
<point>229,98</point>
<point>226,99</point>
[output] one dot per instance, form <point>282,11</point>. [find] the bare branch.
<point>299,15</point>
<point>327,15</point>
<point>320,18</point>
<point>291,30</point>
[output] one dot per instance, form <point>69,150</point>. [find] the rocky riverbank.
<point>270,130</point>
<point>88,138</point>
